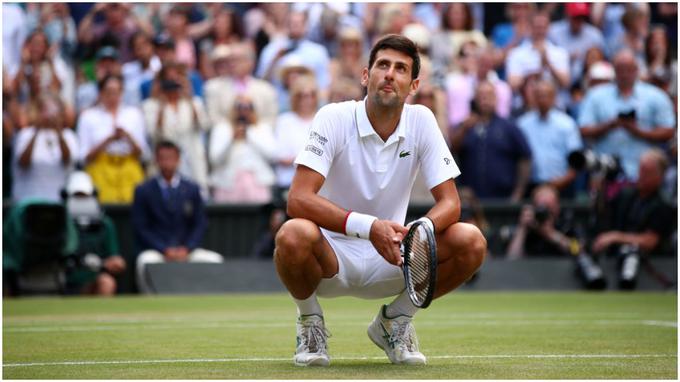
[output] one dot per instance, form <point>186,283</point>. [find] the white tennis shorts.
<point>362,272</point>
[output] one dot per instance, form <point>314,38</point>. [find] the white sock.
<point>308,306</point>
<point>401,306</point>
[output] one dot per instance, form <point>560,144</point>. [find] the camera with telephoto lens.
<point>629,265</point>
<point>630,114</point>
<point>541,214</point>
<point>608,165</point>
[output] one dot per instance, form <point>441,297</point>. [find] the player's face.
<point>389,79</point>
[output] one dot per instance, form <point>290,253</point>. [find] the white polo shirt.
<point>365,174</point>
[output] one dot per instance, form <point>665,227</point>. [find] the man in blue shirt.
<point>495,159</point>
<point>168,217</point>
<point>552,135</point>
<point>627,117</point>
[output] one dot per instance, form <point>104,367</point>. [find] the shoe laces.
<point>403,335</point>
<point>313,335</point>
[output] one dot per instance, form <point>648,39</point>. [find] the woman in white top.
<point>292,128</point>
<point>174,114</point>
<point>240,153</point>
<point>44,152</point>
<point>112,143</point>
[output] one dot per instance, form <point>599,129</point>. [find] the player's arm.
<point>446,210</point>
<point>305,202</point>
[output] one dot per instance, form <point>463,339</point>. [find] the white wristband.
<point>359,225</point>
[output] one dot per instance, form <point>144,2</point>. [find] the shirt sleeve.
<point>436,162</point>
<point>587,114</point>
<point>319,150</point>
<point>663,112</point>
<point>573,135</point>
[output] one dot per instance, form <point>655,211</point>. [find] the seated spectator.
<point>476,66</point>
<point>165,51</point>
<point>98,260</point>
<point>234,66</point>
<point>107,63</point>
<point>552,135</point>
<point>175,114</point>
<point>661,66</point>
<point>241,150</point>
<point>431,95</point>
<point>344,89</point>
<point>457,29</point>
<point>265,245</point>
<point>493,154</point>
<point>626,117</point>
<point>143,68</point>
<point>113,143</point>
<point>639,219</point>
<point>292,129</point>
<point>44,153</point>
<point>168,217</point>
<point>539,56</point>
<point>576,35</point>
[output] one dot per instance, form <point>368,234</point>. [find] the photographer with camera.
<point>544,230</point>
<point>638,219</point>
<point>627,117</point>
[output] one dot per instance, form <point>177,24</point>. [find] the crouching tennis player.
<point>348,201</point>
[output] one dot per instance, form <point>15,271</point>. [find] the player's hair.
<point>167,144</point>
<point>400,44</point>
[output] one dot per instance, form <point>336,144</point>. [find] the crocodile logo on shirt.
<point>404,153</point>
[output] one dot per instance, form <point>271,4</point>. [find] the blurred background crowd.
<point>568,96</point>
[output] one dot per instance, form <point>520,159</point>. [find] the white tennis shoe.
<point>312,349</point>
<point>397,337</point>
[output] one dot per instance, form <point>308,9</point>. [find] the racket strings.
<point>420,265</point>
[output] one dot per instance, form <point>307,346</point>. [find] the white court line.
<point>242,325</point>
<point>356,358</point>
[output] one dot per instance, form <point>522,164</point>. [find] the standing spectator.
<point>55,19</point>
<point>14,33</point>
<point>113,143</point>
<point>552,135</point>
<point>241,150</point>
<point>175,114</point>
<point>238,61</point>
<point>118,25</point>
<point>143,68</point>
<point>168,217</point>
<point>107,63</point>
<point>310,53</point>
<point>457,29</point>
<point>507,36</point>
<point>349,61</point>
<point>292,128</point>
<point>97,240</point>
<point>37,72</point>
<point>538,55</point>
<point>177,26</point>
<point>576,35</point>
<point>44,153</point>
<point>165,50</point>
<point>476,66</point>
<point>494,157</point>
<point>225,30</point>
<point>627,117</point>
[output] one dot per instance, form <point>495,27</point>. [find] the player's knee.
<point>106,285</point>
<point>294,236</point>
<point>475,242</point>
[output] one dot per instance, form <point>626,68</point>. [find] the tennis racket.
<point>420,263</point>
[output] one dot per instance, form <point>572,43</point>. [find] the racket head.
<point>420,264</point>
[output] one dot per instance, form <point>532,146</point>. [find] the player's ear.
<point>414,86</point>
<point>364,77</point>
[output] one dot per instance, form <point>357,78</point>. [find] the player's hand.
<point>114,264</point>
<point>386,237</point>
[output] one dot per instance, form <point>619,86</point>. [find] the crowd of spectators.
<point>515,89</point>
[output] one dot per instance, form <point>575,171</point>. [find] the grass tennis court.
<point>466,335</point>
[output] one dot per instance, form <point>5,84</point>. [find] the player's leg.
<point>303,257</point>
<point>461,249</point>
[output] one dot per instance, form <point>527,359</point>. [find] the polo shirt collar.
<point>366,129</point>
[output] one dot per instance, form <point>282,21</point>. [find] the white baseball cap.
<point>79,182</point>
